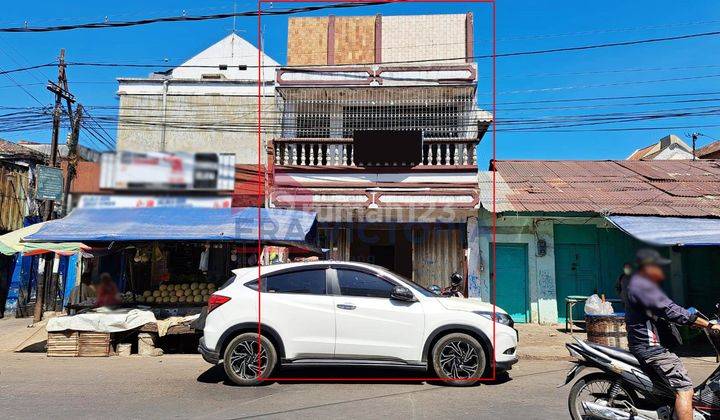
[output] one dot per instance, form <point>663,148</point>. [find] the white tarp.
<point>102,320</point>
<point>670,231</point>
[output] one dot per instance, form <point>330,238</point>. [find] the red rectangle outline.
<point>261,178</point>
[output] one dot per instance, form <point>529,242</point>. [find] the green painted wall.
<point>701,267</point>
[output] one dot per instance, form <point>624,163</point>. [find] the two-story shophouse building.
<point>378,131</point>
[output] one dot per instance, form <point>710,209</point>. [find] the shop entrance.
<point>426,253</point>
<point>386,246</point>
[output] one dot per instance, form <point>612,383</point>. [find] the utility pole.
<point>72,155</point>
<point>59,89</point>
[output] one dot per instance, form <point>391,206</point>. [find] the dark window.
<point>310,282</point>
<point>358,283</point>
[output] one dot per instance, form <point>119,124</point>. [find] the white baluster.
<point>287,155</point>
<point>431,154</point>
<point>336,155</point>
<point>302,153</point>
<point>294,147</point>
<point>311,153</point>
<point>344,154</point>
<point>352,155</point>
<point>465,154</point>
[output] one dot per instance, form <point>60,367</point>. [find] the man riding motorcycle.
<point>645,304</point>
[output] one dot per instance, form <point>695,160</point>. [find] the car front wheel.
<point>245,362</point>
<point>458,359</point>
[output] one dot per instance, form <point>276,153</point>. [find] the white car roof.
<point>269,269</point>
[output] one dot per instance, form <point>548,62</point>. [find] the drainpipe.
<point>164,104</point>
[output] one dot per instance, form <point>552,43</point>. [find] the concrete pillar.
<point>473,257</point>
<point>545,269</point>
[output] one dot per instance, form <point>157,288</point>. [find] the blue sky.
<point>567,84</point>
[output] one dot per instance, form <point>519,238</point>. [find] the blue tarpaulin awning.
<point>670,231</point>
<point>278,227</point>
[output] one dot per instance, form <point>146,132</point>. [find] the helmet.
<point>456,279</point>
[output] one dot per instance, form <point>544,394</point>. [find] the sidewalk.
<point>544,342</point>
<point>19,334</point>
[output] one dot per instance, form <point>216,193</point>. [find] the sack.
<point>595,306</point>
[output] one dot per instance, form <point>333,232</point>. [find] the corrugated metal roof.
<point>661,188</point>
<point>10,150</point>
<point>710,148</point>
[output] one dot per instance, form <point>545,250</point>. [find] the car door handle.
<point>347,306</point>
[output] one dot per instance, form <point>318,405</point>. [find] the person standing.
<point>623,280</point>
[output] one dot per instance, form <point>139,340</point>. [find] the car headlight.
<point>500,318</point>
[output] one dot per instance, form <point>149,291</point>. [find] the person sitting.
<point>83,291</point>
<point>107,292</point>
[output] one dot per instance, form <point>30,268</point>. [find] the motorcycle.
<point>623,390</point>
<point>454,290</point>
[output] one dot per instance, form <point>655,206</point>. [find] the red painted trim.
<point>374,169</point>
<point>378,38</point>
<point>331,40</point>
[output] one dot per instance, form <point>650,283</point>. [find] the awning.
<point>11,243</point>
<point>182,224</point>
<point>670,231</point>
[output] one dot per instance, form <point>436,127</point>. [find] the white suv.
<point>344,313</point>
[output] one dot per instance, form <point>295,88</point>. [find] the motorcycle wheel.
<point>591,388</point>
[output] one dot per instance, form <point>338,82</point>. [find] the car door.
<point>371,325</point>
<point>297,305</point>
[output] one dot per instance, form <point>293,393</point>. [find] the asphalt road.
<point>184,386</point>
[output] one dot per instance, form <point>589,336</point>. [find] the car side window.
<point>359,283</point>
<point>309,282</point>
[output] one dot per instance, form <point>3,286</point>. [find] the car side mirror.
<point>402,293</point>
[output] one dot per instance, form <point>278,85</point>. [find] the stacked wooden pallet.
<point>78,343</point>
<point>62,344</point>
<point>93,344</point>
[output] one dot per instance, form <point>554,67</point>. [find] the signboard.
<point>49,183</point>
<point>137,201</point>
<point>157,171</point>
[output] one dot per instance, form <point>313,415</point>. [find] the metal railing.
<point>451,152</point>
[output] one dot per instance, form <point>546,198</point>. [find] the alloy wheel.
<point>244,359</point>
<point>459,360</point>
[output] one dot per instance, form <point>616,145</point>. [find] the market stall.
<point>170,260</point>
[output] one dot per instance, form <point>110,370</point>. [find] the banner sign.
<point>137,201</point>
<point>49,183</point>
<point>157,171</point>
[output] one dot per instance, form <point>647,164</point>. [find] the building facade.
<point>558,234</point>
<point>207,104</point>
<point>379,135</point>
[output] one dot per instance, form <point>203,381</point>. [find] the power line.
<point>197,18</point>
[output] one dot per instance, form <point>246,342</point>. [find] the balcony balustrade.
<point>443,152</point>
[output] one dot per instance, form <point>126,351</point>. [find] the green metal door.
<point>511,288</point>
<point>576,268</point>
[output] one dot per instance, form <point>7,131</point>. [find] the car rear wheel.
<point>245,362</point>
<point>458,359</point>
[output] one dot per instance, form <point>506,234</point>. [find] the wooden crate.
<point>78,344</point>
<point>62,344</point>
<point>93,344</point>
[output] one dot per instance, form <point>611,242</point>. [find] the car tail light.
<point>215,301</point>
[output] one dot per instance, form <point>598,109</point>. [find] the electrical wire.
<point>197,18</point>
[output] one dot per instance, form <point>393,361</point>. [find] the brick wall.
<point>353,40</point>
<point>307,41</point>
